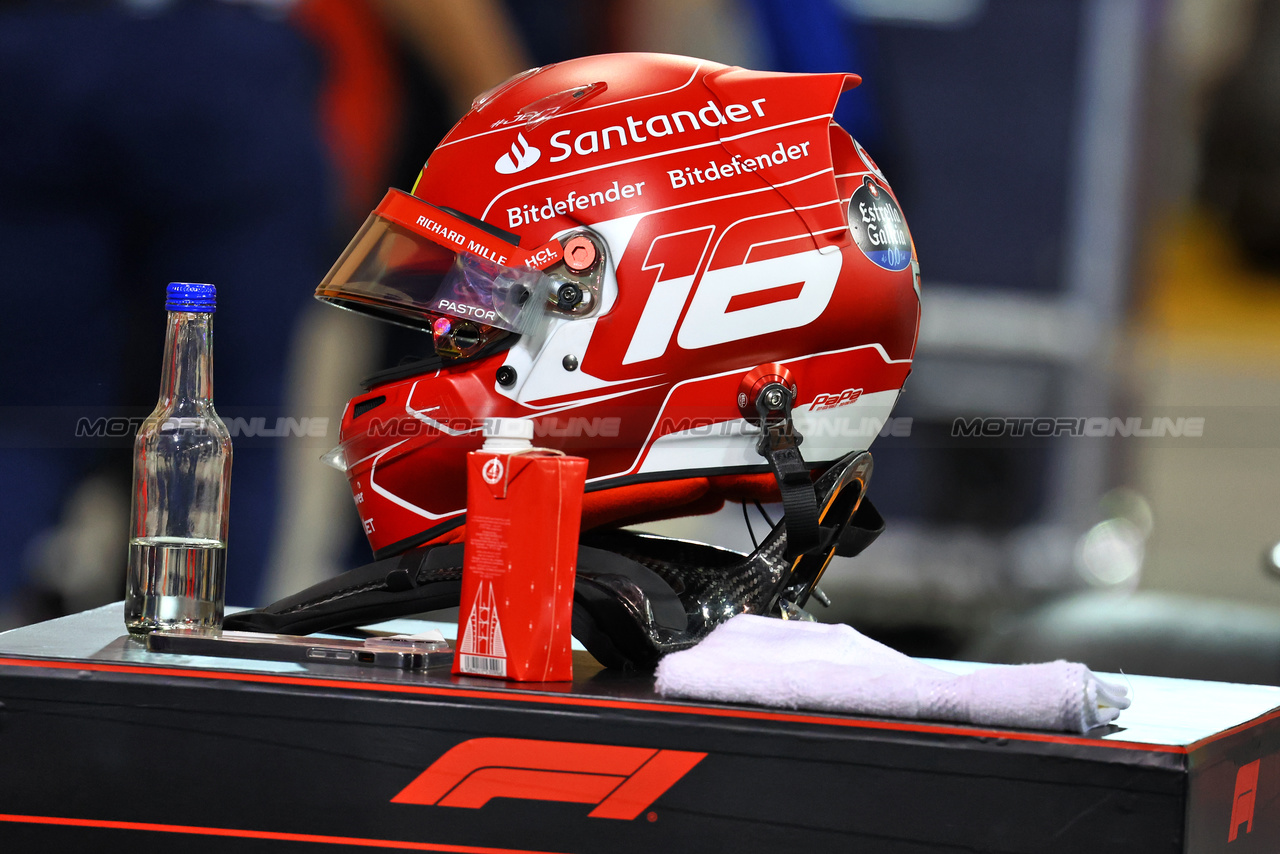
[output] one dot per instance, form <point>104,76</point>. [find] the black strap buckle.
<point>779,444</point>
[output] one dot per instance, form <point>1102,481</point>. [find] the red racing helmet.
<point>653,258</point>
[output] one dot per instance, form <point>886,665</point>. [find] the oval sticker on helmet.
<point>878,227</point>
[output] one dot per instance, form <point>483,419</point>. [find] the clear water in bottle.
<point>175,582</point>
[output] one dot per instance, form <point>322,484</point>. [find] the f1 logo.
<point>621,781</point>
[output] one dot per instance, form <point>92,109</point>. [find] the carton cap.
<point>507,434</point>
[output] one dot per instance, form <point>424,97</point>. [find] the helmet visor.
<point>416,265</point>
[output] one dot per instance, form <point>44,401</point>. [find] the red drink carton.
<point>524,509</point>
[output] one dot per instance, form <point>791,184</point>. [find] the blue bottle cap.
<point>191,296</point>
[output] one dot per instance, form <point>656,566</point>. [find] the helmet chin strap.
<point>819,518</point>
<point>779,444</point>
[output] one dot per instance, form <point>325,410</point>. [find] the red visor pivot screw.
<point>756,381</point>
<point>580,254</point>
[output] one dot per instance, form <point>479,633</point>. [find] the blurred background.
<point>1093,186</point>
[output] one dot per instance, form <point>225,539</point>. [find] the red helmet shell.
<point>740,227</point>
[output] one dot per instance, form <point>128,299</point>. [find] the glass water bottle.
<point>181,482</point>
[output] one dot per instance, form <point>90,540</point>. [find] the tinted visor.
<point>419,266</point>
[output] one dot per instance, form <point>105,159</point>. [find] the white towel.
<point>802,665</point>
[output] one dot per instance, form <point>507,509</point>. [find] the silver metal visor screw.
<point>570,363</point>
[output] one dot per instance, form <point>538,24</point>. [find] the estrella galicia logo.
<point>521,157</point>
<point>878,227</point>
